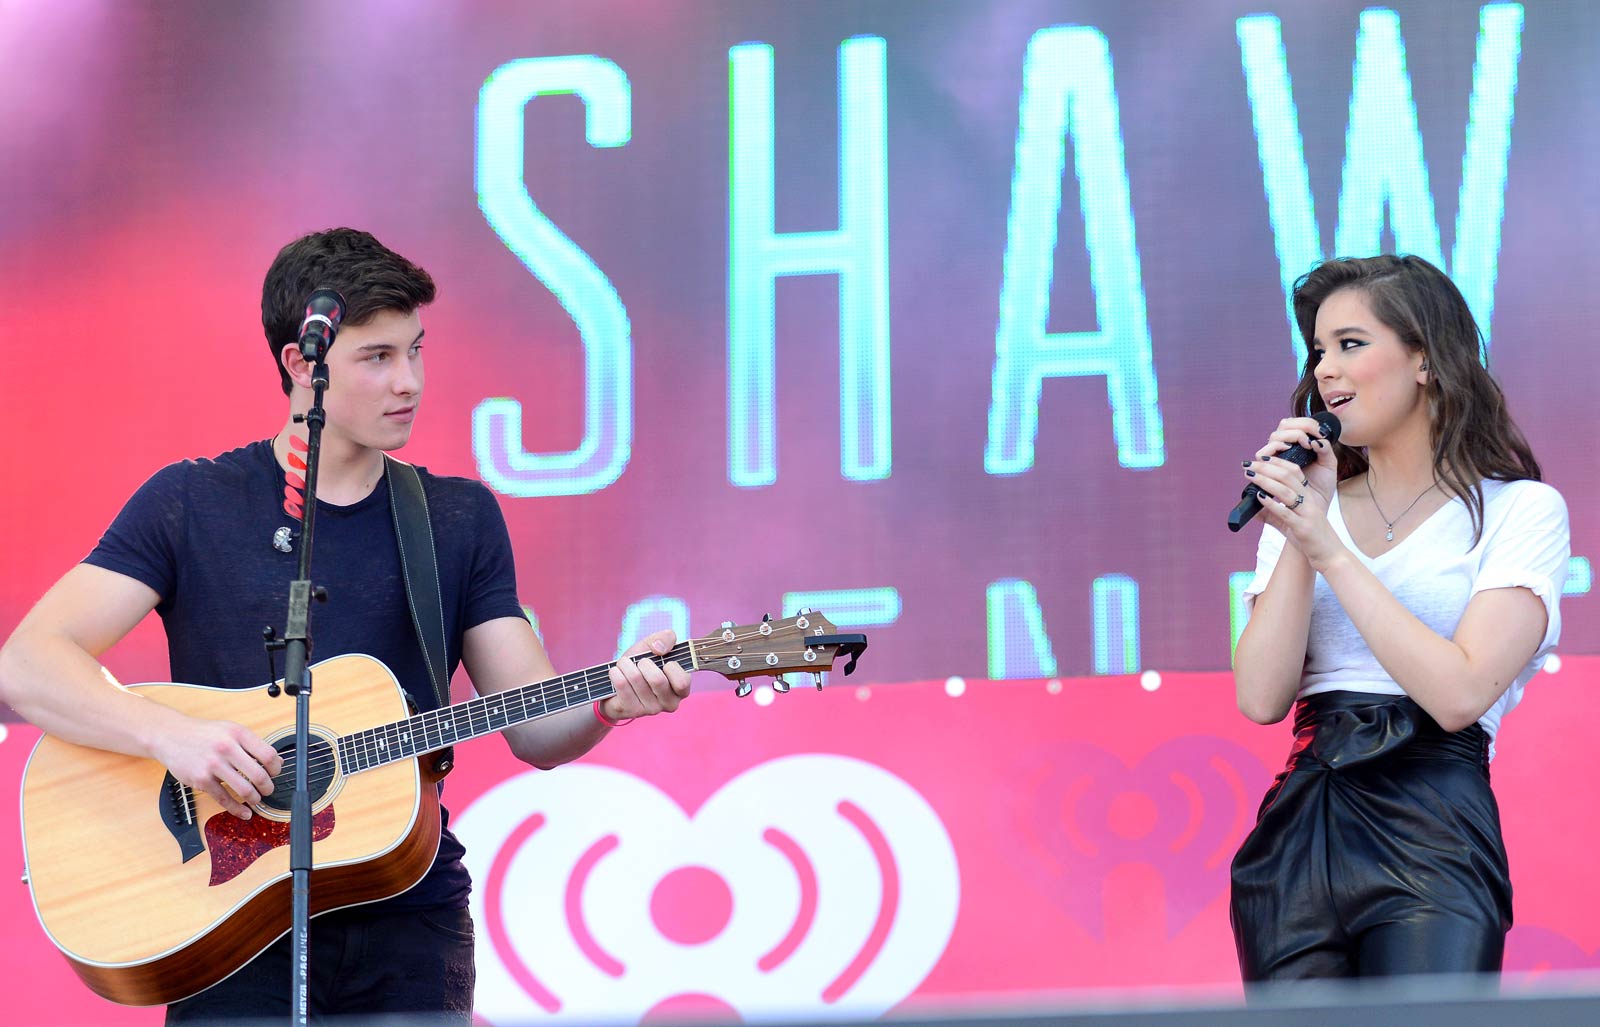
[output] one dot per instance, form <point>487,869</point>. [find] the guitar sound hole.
<point>319,773</point>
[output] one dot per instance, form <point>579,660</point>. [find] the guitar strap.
<point>419,567</point>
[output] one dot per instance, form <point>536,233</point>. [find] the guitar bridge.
<point>178,813</point>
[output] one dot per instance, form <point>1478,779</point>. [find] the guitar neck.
<point>438,729</point>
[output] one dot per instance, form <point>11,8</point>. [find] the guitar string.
<point>547,690</point>
<point>589,676</point>
<point>285,776</point>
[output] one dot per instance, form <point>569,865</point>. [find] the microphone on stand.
<point>324,312</point>
<point>1300,456</point>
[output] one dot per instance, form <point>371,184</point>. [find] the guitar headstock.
<point>806,642</point>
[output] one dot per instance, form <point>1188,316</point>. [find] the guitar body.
<point>152,900</point>
<point>154,892</point>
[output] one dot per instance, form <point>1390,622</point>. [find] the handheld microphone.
<point>1250,499</point>
<point>324,312</point>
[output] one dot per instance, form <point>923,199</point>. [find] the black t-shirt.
<point>199,533</point>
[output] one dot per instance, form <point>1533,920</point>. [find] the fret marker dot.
<point>1150,680</point>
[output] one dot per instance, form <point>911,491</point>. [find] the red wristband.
<point>607,721</point>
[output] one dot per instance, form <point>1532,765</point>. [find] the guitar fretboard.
<point>437,729</point>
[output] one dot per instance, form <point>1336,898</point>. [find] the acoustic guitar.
<point>154,892</point>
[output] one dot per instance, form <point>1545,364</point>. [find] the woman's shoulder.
<point>1523,499</point>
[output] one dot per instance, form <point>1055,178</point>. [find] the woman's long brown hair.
<point>1473,435</point>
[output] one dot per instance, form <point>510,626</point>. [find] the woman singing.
<point>1406,590</point>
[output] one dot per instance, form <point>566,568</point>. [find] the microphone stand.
<point>296,644</point>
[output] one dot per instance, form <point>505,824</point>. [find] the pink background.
<point>158,155</point>
<point>1092,826</point>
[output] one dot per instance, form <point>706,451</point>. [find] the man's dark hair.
<point>370,276</point>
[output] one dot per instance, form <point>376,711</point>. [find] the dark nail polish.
<point>1249,474</point>
<point>1245,464</point>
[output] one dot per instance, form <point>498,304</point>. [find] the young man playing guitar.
<point>209,545</point>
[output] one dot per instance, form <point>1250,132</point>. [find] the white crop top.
<point>1526,543</point>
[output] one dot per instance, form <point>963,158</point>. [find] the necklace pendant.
<point>1390,536</point>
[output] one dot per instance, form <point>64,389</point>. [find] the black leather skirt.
<point>1376,851</point>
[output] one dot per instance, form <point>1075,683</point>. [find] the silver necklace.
<point>1387,523</point>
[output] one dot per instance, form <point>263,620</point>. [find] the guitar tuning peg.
<point>727,624</point>
<point>743,688</point>
<point>780,685</point>
<point>766,617</point>
<point>816,679</point>
<point>804,610</point>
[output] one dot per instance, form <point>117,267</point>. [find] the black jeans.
<point>1376,852</point>
<point>411,962</point>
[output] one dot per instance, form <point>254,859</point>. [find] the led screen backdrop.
<point>949,319</point>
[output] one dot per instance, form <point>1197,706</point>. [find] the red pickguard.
<point>235,844</point>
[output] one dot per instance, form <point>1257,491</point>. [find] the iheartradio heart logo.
<point>811,885</point>
<point>1182,810</point>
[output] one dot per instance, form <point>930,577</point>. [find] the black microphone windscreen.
<point>1330,425</point>
<point>1300,456</point>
